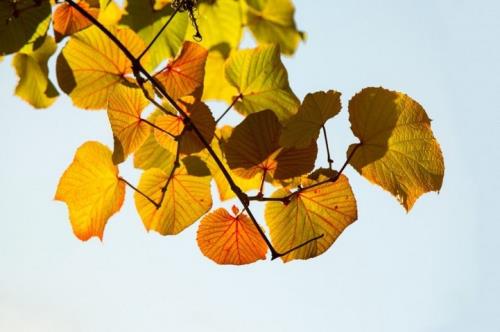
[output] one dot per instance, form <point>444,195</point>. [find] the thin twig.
<point>235,100</point>
<point>171,175</point>
<point>158,34</point>
<point>158,128</point>
<point>330,160</point>
<point>139,192</point>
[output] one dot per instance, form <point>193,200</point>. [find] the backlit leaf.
<point>22,22</point>
<point>271,21</point>
<point>262,81</point>
<point>223,186</point>
<point>187,199</point>
<point>254,148</point>
<point>146,21</point>
<point>200,116</point>
<point>68,20</point>
<point>216,86</point>
<point>398,150</point>
<point>220,24</point>
<point>125,106</point>
<point>323,210</point>
<point>91,189</point>
<point>304,127</point>
<point>90,66</point>
<point>183,75</point>
<point>231,240</point>
<point>109,13</point>
<point>34,85</point>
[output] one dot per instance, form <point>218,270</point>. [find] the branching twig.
<point>139,192</point>
<point>240,96</point>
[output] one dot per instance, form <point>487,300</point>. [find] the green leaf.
<point>262,81</point>
<point>143,19</point>
<point>398,150</point>
<point>34,85</point>
<point>22,22</point>
<point>271,21</point>
<point>304,127</point>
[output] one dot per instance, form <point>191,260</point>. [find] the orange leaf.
<point>125,106</point>
<point>183,75</point>
<point>68,20</point>
<point>91,189</point>
<point>228,239</point>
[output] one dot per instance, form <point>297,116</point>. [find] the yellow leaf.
<point>146,21</point>
<point>110,13</point>
<point>223,186</point>
<point>90,66</point>
<point>91,189</point>
<point>325,210</point>
<point>34,85</point>
<point>187,198</point>
<point>216,86</point>
<point>68,20</point>
<point>231,240</point>
<point>22,23</point>
<point>183,75</point>
<point>220,24</point>
<point>262,82</point>
<point>253,148</point>
<point>304,127</point>
<point>125,106</point>
<point>271,21</point>
<point>200,116</point>
<point>398,150</point>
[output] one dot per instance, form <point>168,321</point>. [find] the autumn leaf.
<point>31,67</point>
<point>92,190</point>
<point>262,82</point>
<point>200,116</point>
<point>183,75</point>
<point>90,66</point>
<point>146,21</point>
<point>68,20</point>
<point>125,106</point>
<point>216,86</point>
<point>21,23</point>
<point>272,21</point>
<point>220,23</point>
<point>231,240</point>
<point>398,150</point>
<point>187,198</point>
<point>254,148</point>
<point>326,209</point>
<point>221,182</point>
<point>304,127</point>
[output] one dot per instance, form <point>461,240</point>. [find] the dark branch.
<point>139,192</point>
<point>330,160</point>
<point>229,108</point>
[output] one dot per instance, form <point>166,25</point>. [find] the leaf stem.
<point>235,100</point>
<point>171,175</point>
<point>139,192</point>
<point>330,160</point>
<point>158,128</point>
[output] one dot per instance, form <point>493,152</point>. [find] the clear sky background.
<point>435,269</point>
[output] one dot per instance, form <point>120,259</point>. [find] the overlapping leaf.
<point>304,127</point>
<point>216,86</point>
<point>254,148</point>
<point>272,21</point>
<point>125,106</point>
<point>146,21</point>
<point>200,116</point>
<point>398,150</point>
<point>68,20</point>
<point>91,189</point>
<point>90,66</point>
<point>34,85</point>
<point>22,22</point>
<point>262,82</point>
<point>225,191</point>
<point>187,198</point>
<point>228,239</point>
<point>183,75</point>
<point>326,209</point>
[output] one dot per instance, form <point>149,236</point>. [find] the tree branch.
<point>330,160</point>
<point>139,192</point>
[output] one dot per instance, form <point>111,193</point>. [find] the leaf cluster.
<point>176,56</point>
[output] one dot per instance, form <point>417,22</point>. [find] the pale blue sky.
<point>435,269</point>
